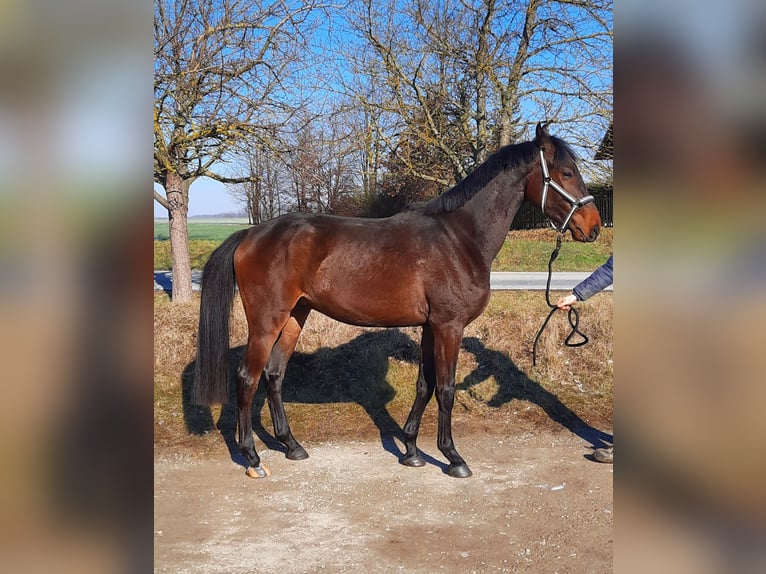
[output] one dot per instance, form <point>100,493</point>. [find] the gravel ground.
<point>536,503</point>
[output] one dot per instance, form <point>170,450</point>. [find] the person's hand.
<point>566,301</point>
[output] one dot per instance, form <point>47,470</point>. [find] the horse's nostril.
<point>594,232</point>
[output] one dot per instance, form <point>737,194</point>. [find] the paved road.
<point>499,281</point>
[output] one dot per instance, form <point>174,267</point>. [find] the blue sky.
<point>206,197</point>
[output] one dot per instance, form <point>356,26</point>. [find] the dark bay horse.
<point>428,267</point>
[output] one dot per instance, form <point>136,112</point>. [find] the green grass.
<point>525,255</point>
<point>524,251</point>
<point>204,237</point>
<point>199,230</point>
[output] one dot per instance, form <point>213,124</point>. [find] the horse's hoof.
<point>414,461</point>
<point>258,471</point>
<point>459,470</point>
<point>297,454</point>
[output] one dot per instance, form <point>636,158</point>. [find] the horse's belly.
<point>370,307</point>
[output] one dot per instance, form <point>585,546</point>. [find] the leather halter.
<point>574,203</point>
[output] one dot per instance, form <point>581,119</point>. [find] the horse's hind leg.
<point>274,376</point>
<point>425,390</point>
<point>259,344</point>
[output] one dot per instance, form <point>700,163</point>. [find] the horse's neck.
<point>492,210</point>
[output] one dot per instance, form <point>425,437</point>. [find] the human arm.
<point>597,281</point>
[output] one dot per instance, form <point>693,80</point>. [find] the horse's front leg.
<point>447,339</point>
<point>424,391</point>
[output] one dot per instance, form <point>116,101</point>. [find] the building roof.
<point>606,149</point>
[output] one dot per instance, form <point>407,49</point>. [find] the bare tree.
<point>261,195</point>
<point>462,78</point>
<point>222,71</point>
<point>322,163</point>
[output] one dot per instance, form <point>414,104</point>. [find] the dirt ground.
<point>536,503</point>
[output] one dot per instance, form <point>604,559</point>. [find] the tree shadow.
<point>354,372</point>
<point>516,385</point>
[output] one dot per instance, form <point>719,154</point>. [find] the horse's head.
<point>555,184</point>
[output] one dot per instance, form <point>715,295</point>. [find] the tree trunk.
<point>249,209</point>
<point>505,123</point>
<point>177,193</point>
<point>482,65</point>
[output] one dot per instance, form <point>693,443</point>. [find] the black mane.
<point>508,157</point>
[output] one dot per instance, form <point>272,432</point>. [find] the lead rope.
<point>573,315</point>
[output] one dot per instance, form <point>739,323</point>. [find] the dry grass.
<point>346,381</point>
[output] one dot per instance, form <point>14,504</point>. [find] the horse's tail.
<point>211,380</point>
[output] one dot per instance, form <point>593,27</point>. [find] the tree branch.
<point>226,179</point>
<point>161,200</point>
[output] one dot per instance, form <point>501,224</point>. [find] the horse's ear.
<point>543,139</point>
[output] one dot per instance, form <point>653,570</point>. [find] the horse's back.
<point>311,239</point>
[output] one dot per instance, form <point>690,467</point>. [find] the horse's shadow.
<point>514,384</point>
<point>356,372</point>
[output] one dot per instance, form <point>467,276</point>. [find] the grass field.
<point>522,251</point>
<point>530,250</point>
<point>201,230</point>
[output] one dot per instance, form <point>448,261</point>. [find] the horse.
<point>428,266</point>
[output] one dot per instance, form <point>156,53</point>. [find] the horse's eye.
<point>567,174</point>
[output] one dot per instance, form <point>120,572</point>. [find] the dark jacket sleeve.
<point>597,281</point>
